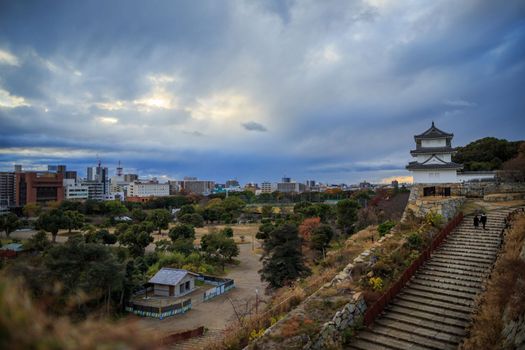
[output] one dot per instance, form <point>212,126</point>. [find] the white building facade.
<point>148,189</point>
<point>433,155</point>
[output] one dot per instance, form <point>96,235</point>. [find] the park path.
<point>217,313</point>
<point>436,307</point>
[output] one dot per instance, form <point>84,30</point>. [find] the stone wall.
<point>448,207</point>
<point>331,333</point>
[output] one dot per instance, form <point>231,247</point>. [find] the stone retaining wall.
<point>331,333</point>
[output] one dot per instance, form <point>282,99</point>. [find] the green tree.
<point>182,231</point>
<point>218,247</point>
<point>227,231</point>
<point>233,203</point>
<point>73,220</point>
<point>136,238</point>
<point>267,211</point>
<point>186,209</point>
<point>264,231</point>
<point>52,221</point>
<point>282,258</point>
<point>8,223</point>
<point>31,210</point>
<point>160,219</point>
<point>87,267</point>
<point>192,219</point>
<point>38,242</point>
<point>138,215</point>
<point>321,237</point>
<point>346,210</point>
<point>487,153</point>
<point>116,208</point>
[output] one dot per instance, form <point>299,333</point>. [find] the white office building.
<point>148,189</point>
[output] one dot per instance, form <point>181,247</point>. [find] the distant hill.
<point>488,153</point>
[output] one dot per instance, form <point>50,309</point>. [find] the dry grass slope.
<point>505,292</point>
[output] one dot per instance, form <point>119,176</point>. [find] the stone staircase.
<point>197,343</point>
<point>435,308</point>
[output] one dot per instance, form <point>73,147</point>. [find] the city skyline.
<point>254,90</point>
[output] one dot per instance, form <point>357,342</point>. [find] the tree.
<point>267,211</point>
<point>183,231</point>
<point>219,247</point>
<point>307,227</point>
<point>160,219</point>
<point>138,215</point>
<point>233,203</point>
<point>192,219</point>
<point>346,210</point>
<point>487,153</point>
<point>87,267</point>
<point>321,237</point>
<point>116,208</point>
<point>31,210</point>
<point>38,242</point>
<point>73,220</point>
<point>227,231</point>
<point>52,222</point>
<point>136,238</point>
<point>186,209</point>
<point>282,258</point>
<point>8,223</point>
<point>264,231</point>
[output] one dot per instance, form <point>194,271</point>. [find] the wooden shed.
<point>170,282</point>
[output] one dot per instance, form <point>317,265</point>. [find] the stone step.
<point>471,247</point>
<point>366,340</point>
<point>479,232</point>
<point>421,322</point>
<point>460,263</point>
<point>458,315</point>
<point>438,297</point>
<point>447,288</point>
<point>455,257</point>
<point>434,263</point>
<point>451,275</point>
<point>475,276</point>
<point>435,303</point>
<point>430,334</point>
<point>410,337</point>
<point>476,235</point>
<point>476,240</point>
<point>449,321</point>
<point>488,255</point>
<point>449,281</point>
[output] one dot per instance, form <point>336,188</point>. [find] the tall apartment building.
<point>192,185</point>
<point>7,190</point>
<point>266,187</point>
<point>38,187</point>
<point>148,189</point>
<point>290,187</point>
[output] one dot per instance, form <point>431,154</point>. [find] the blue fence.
<point>159,312</point>
<point>222,285</point>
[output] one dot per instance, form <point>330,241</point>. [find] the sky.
<point>254,90</point>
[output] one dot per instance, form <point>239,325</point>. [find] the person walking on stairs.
<point>476,221</point>
<point>483,220</point>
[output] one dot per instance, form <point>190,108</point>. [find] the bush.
<point>434,219</point>
<point>414,241</point>
<point>376,283</point>
<point>227,231</point>
<point>385,227</point>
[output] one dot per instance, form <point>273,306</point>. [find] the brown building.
<point>39,187</point>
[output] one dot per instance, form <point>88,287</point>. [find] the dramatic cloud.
<point>254,126</point>
<point>332,90</point>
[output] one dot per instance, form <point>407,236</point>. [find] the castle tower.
<point>433,155</point>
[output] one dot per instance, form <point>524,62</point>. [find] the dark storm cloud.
<point>254,126</point>
<point>343,85</point>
